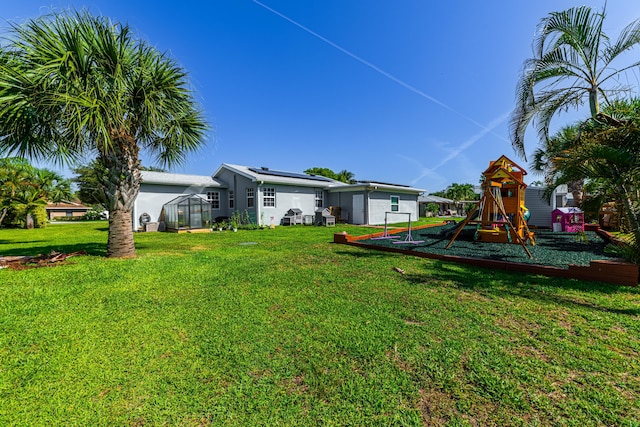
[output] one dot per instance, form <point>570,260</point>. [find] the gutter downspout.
<point>259,203</point>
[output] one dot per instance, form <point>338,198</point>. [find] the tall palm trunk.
<point>576,188</point>
<point>121,184</point>
<point>631,211</point>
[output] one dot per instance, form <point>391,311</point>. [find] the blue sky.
<point>410,92</point>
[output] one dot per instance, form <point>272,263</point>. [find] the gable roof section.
<point>433,199</point>
<point>67,206</point>
<point>377,186</point>
<point>166,178</point>
<point>270,176</point>
<point>504,162</point>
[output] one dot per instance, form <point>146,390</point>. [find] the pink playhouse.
<point>568,219</point>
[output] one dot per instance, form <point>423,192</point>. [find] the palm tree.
<point>26,204</point>
<point>13,176</point>
<point>573,63</point>
<point>460,192</point>
<point>25,190</point>
<point>73,84</point>
<point>609,154</point>
<point>545,161</point>
<point>346,176</point>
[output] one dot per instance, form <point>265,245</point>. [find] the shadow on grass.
<point>10,242</point>
<point>506,284</point>
<point>97,249</point>
<point>366,254</point>
<point>516,285</point>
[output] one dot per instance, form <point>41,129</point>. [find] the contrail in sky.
<point>457,151</point>
<point>469,142</point>
<point>381,71</point>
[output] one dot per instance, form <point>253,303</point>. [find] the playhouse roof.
<point>504,162</point>
<point>568,210</point>
<point>505,169</point>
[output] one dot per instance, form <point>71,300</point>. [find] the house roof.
<point>568,210</point>
<point>271,176</point>
<point>433,199</point>
<point>166,178</point>
<point>67,206</point>
<point>374,186</point>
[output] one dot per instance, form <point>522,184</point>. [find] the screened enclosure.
<point>187,212</point>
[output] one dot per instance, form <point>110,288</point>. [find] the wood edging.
<point>608,271</point>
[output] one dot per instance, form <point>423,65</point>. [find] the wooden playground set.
<point>501,216</point>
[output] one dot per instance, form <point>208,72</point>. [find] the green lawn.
<point>283,327</point>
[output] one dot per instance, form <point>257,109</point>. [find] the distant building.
<point>541,207</point>
<point>66,209</point>
<point>445,206</point>
<point>269,195</point>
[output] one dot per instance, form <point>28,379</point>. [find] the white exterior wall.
<point>153,197</point>
<point>380,202</point>
<point>287,197</point>
<point>539,207</point>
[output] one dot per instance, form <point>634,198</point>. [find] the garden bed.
<point>554,254</point>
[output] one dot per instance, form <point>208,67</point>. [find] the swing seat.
<point>493,235</point>
<point>490,231</point>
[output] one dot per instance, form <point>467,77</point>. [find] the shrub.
<point>432,208</point>
<point>92,215</point>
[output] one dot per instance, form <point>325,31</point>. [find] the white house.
<point>541,208</point>
<point>267,195</point>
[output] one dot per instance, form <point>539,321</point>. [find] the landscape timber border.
<point>618,272</point>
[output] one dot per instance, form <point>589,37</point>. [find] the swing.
<point>500,220</point>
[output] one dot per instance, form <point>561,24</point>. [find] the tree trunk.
<point>576,188</point>
<point>121,184</point>
<point>594,107</point>
<point>631,212</point>
<point>120,242</point>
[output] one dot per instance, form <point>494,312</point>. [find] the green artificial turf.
<point>283,327</point>
<point>556,249</point>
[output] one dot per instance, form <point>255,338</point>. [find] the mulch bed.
<point>24,262</point>
<point>552,248</point>
<point>554,254</point>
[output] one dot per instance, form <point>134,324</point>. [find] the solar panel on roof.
<point>265,171</point>
<point>383,183</point>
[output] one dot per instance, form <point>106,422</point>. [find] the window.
<point>395,204</point>
<point>232,201</point>
<point>269,197</point>
<point>250,197</point>
<point>213,197</point>
<point>319,198</point>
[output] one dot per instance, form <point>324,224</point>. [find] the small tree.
<point>26,190</point>
<point>342,176</point>
<point>432,209</point>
